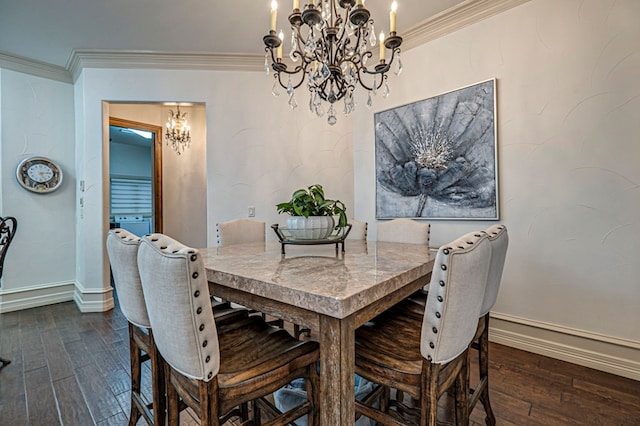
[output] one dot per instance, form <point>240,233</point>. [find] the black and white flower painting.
<point>437,159</point>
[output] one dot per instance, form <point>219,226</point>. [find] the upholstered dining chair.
<point>239,231</point>
<point>209,369</point>
<point>404,231</point>
<point>408,231</point>
<point>358,230</point>
<point>499,240</point>
<point>122,248</point>
<point>424,352</point>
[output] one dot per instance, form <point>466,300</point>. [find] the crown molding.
<point>33,67</point>
<point>464,14</point>
<point>81,59</point>
<point>455,18</point>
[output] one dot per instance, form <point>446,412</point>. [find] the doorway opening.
<point>135,176</point>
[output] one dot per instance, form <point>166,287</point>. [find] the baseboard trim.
<point>35,296</point>
<point>605,353</point>
<point>94,300</point>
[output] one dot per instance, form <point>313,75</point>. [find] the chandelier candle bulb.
<point>274,15</point>
<point>392,17</point>
<point>381,47</point>
<point>359,3</point>
<point>296,4</point>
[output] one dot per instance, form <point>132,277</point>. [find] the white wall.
<point>568,97</point>
<point>260,151</point>
<point>184,183</point>
<point>184,175</point>
<point>257,153</point>
<point>37,120</point>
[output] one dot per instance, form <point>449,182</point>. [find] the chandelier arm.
<point>298,34</point>
<point>343,42</point>
<point>382,67</point>
<point>377,85</point>
<point>269,50</point>
<point>281,67</point>
<point>278,76</point>
<point>339,21</point>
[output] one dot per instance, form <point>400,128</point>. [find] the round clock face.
<point>39,174</point>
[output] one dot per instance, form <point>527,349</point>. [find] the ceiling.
<point>125,136</point>
<point>49,30</point>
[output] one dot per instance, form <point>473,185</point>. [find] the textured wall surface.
<point>37,120</point>
<point>568,97</point>
<point>258,151</point>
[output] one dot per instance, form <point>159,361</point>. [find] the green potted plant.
<point>312,214</point>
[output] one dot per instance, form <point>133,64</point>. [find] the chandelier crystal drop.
<point>331,45</point>
<point>178,134</point>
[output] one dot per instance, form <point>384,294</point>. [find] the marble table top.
<point>332,284</point>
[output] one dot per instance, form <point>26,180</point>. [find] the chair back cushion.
<point>122,247</point>
<point>177,295</point>
<point>455,297</point>
<point>499,240</point>
<point>358,230</point>
<point>404,231</point>
<point>239,231</point>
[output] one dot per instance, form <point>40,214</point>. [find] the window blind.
<point>131,196</point>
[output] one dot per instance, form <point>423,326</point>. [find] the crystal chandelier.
<point>178,131</point>
<point>331,45</point>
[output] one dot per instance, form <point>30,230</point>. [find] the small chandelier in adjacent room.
<point>178,131</point>
<point>331,45</point>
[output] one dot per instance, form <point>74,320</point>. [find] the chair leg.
<point>313,389</point>
<point>208,400</point>
<point>255,417</point>
<point>483,355</point>
<point>158,384</point>
<point>461,393</point>
<point>429,394</point>
<point>136,373</point>
<point>173,411</point>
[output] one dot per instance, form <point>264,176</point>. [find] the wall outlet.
<point>252,211</point>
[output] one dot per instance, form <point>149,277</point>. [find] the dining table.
<point>328,291</point>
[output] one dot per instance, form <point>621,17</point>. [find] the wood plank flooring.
<point>70,368</point>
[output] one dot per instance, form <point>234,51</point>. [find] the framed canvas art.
<point>437,158</point>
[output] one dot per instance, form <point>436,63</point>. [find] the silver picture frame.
<point>438,158</point>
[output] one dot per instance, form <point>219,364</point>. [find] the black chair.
<point>8,226</point>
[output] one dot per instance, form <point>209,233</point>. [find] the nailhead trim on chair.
<point>170,246</point>
<point>463,244</point>
<point>193,372</point>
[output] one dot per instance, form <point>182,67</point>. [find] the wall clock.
<point>39,174</point>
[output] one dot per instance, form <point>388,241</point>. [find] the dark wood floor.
<point>71,368</point>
